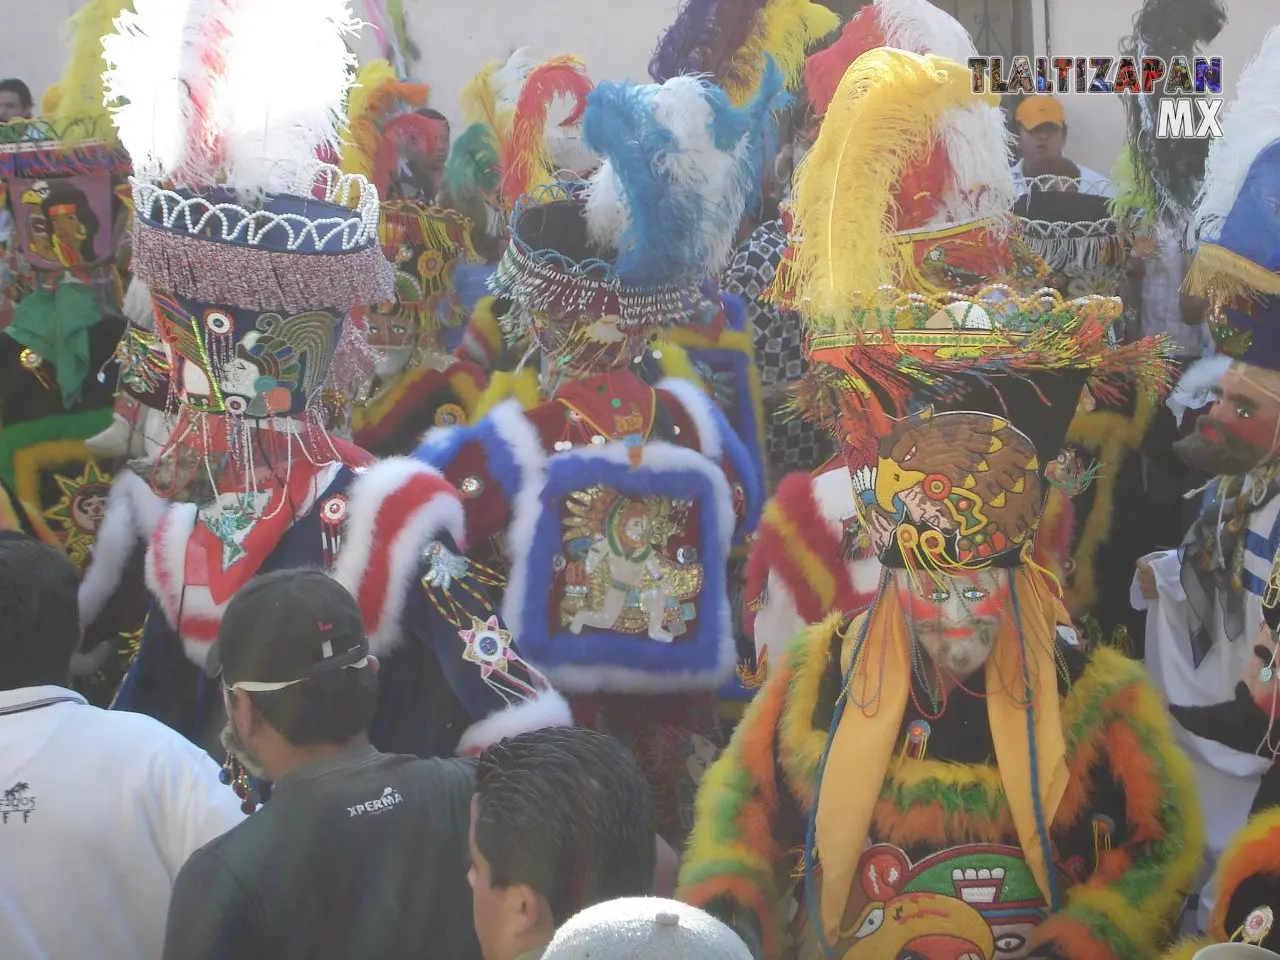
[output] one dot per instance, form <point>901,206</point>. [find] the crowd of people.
<point>783,510</point>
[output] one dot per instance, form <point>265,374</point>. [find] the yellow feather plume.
<point>885,116</point>
<point>377,95</point>
<point>80,93</point>
<point>479,98</point>
<point>784,29</point>
<point>50,101</point>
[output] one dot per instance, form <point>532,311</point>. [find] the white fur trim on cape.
<point>778,619</point>
<point>165,569</point>
<point>522,439</point>
<point>133,510</point>
<point>658,457</point>
<point>514,428</point>
<point>699,406</point>
<point>166,572</point>
<point>548,710</point>
<point>383,541</point>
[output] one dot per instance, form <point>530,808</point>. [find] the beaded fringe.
<point>257,279</point>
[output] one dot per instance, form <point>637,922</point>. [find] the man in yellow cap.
<point>1042,135</point>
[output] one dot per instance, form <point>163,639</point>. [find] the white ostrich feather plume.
<point>1250,123</point>
<point>606,208</point>
<point>509,79</point>
<point>978,141</point>
<point>239,92</point>
<point>919,27</point>
<point>697,165</point>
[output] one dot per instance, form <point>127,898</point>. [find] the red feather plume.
<point>525,152</point>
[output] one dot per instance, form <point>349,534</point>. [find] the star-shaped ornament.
<point>487,645</point>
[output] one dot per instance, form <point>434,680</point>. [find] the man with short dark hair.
<point>561,820</point>
<point>428,172</point>
<point>1042,136</point>
<point>15,100</point>
<point>357,853</point>
<point>103,808</point>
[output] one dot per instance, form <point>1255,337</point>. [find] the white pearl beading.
<point>237,224</point>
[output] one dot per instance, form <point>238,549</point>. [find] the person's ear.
<point>526,908</point>
<point>374,665</point>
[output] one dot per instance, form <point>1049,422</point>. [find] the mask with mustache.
<point>1229,456</point>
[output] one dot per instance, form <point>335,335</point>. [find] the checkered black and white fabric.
<point>791,444</point>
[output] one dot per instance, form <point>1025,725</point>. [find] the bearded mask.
<point>1239,433</point>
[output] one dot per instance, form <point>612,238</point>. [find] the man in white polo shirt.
<point>98,810</point>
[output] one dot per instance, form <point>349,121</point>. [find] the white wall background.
<point>616,37</point>
<point>1095,27</point>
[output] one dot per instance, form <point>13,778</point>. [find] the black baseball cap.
<point>285,627</point>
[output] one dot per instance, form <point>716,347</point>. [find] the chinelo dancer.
<point>68,269</point>
<point>612,503</point>
<point>946,773</point>
<point>1203,601</point>
<point>418,384</point>
<point>251,311</point>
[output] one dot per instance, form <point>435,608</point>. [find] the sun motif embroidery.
<point>80,511</point>
<point>487,645</point>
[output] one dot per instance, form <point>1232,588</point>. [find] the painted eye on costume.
<point>399,329</point>
<point>1010,943</point>
<point>874,921</point>
<point>974,594</point>
<point>1244,413</point>
<point>939,596</point>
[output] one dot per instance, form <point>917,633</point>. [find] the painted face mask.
<point>955,619</point>
<point>1238,433</point>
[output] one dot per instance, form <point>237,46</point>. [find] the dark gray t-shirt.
<point>363,855</point>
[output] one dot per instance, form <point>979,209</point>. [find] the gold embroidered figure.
<point>619,576</point>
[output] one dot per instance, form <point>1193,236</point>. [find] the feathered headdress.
<point>80,89</point>
<point>249,244</point>
<point>916,26</point>
<point>595,267</point>
<point>1167,170</point>
<point>1237,264</point>
<point>967,174</point>
<point>204,96</point>
<point>843,197</point>
<point>680,167</point>
<point>781,29</point>
<point>490,98</point>
<point>526,157</point>
<point>524,117</point>
<point>704,38</point>
<point>883,302</point>
<point>382,127</point>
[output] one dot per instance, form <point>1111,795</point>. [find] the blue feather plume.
<point>660,239</point>
<point>771,97</point>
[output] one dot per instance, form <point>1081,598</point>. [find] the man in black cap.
<point>358,853</point>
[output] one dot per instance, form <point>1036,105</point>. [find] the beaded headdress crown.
<point>253,249</point>
<point>949,403</point>
<point>596,267</point>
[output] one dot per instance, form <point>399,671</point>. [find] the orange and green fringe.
<point>1112,715</point>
